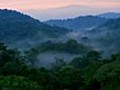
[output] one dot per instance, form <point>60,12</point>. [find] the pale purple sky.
<point>46,9</point>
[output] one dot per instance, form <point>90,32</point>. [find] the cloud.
<point>45,4</point>
<point>45,9</point>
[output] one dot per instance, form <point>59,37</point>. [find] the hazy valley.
<point>50,52</point>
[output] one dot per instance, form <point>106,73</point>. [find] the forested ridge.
<point>18,29</point>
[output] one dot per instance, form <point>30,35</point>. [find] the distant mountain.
<point>107,36</point>
<point>80,23</point>
<point>112,25</point>
<point>110,15</point>
<point>16,27</point>
<point>63,12</point>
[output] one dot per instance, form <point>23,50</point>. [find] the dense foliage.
<point>70,46</point>
<point>89,72</point>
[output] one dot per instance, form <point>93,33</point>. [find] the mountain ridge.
<point>16,26</point>
<point>78,23</point>
<point>110,15</point>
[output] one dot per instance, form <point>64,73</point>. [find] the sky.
<point>48,9</point>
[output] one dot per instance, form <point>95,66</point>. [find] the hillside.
<point>107,35</point>
<point>110,15</point>
<point>17,27</point>
<point>79,23</point>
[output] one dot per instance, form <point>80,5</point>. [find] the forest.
<point>81,53</point>
<point>89,72</point>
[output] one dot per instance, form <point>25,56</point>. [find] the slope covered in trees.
<point>107,35</point>
<point>80,23</point>
<point>17,27</point>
